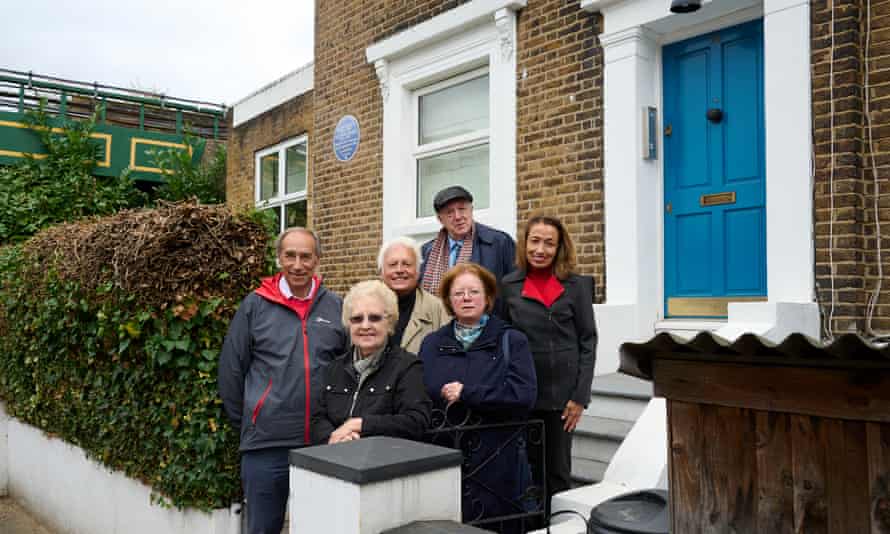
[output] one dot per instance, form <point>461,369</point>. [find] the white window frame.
<point>458,44</point>
<point>283,199</point>
<point>452,144</point>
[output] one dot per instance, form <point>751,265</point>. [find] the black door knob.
<point>715,114</point>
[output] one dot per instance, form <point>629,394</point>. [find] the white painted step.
<point>592,448</point>
<point>616,402</point>
<point>688,328</point>
<point>603,426</point>
<point>586,471</point>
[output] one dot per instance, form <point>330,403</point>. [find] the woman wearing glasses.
<point>479,371</point>
<point>376,388</point>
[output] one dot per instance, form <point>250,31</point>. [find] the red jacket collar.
<point>269,290</point>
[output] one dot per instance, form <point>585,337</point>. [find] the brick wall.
<point>559,152</point>
<point>560,139</point>
<point>845,244</point>
<point>288,120</point>
<point>348,195</point>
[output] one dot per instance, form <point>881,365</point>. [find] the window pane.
<point>295,214</point>
<point>269,176</point>
<point>467,167</point>
<point>455,110</point>
<point>295,168</point>
<point>276,211</point>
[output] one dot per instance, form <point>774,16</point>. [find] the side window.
<point>281,176</point>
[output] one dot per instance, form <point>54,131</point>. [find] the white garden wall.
<point>57,483</point>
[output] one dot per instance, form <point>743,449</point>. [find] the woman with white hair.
<point>376,387</point>
<point>420,312</point>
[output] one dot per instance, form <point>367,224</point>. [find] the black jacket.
<point>391,402</point>
<point>562,338</point>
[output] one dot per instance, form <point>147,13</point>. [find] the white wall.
<point>4,450</point>
<point>374,507</point>
<point>56,482</point>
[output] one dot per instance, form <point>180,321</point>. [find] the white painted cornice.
<point>635,34</point>
<point>439,27</point>
<point>592,6</point>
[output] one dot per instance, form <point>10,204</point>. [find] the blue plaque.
<point>346,138</point>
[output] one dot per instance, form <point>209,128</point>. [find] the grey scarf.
<point>364,367</point>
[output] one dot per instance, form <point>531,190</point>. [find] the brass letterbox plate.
<point>716,199</point>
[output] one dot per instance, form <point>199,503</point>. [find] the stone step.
<point>615,408</point>
<point>594,448</point>
<point>619,385</point>
<point>617,400</point>
<point>603,427</point>
<point>587,471</point>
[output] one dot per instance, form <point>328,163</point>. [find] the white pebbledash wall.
<point>56,482</point>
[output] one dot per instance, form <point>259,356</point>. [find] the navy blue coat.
<point>492,249</point>
<point>496,389</point>
<point>492,386</point>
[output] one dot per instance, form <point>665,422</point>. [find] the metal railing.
<point>500,489</point>
<point>132,108</point>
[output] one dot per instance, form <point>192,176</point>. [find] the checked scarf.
<point>437,263</point>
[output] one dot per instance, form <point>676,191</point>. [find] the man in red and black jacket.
<point>270,372</point>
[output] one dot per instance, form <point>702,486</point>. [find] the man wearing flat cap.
<point>461,240</point>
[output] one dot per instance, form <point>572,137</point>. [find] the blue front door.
<point>714,216</point>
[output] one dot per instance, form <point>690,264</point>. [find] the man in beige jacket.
<point>420,312</point>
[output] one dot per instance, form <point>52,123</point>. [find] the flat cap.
<point>454,192</point>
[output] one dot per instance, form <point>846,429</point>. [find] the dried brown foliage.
<point>158,255</point>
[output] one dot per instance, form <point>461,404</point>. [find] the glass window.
<point>453,140</point>
<point>456,110</point>
<point>295,213</point>
<point>281,182</point>
<point>268,176</point>
<point>296,168</point>
<point>467,167</point>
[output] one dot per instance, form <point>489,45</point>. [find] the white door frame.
<point>634,32</point>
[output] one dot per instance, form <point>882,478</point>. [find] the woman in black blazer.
<point>554,308</point>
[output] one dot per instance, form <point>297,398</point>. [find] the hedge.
<point>110,332</point>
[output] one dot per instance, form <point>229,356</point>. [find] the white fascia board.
<point>592,6</point>
<point>438,28</point>
<point>274,94</point>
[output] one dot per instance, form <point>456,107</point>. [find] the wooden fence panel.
<point>878,445</point>
<point>775,480</point>
<point>686,453</point>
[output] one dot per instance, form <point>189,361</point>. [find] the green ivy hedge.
<point>129,379</point>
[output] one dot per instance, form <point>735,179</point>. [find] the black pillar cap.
<point>374,459</point>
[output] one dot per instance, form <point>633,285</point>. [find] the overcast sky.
<point>213,50</point>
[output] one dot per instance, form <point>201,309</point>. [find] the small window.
<point>281,175</point>
<point>453,139</point>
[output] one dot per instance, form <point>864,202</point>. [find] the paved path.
<point>15,520</point>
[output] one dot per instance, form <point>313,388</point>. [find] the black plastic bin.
<point>638,512</point>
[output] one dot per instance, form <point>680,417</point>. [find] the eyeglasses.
<point>472,293</point>
<point>373,318</point>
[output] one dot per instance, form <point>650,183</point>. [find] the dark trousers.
<point>558,452</point>
<point>265,479</point>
